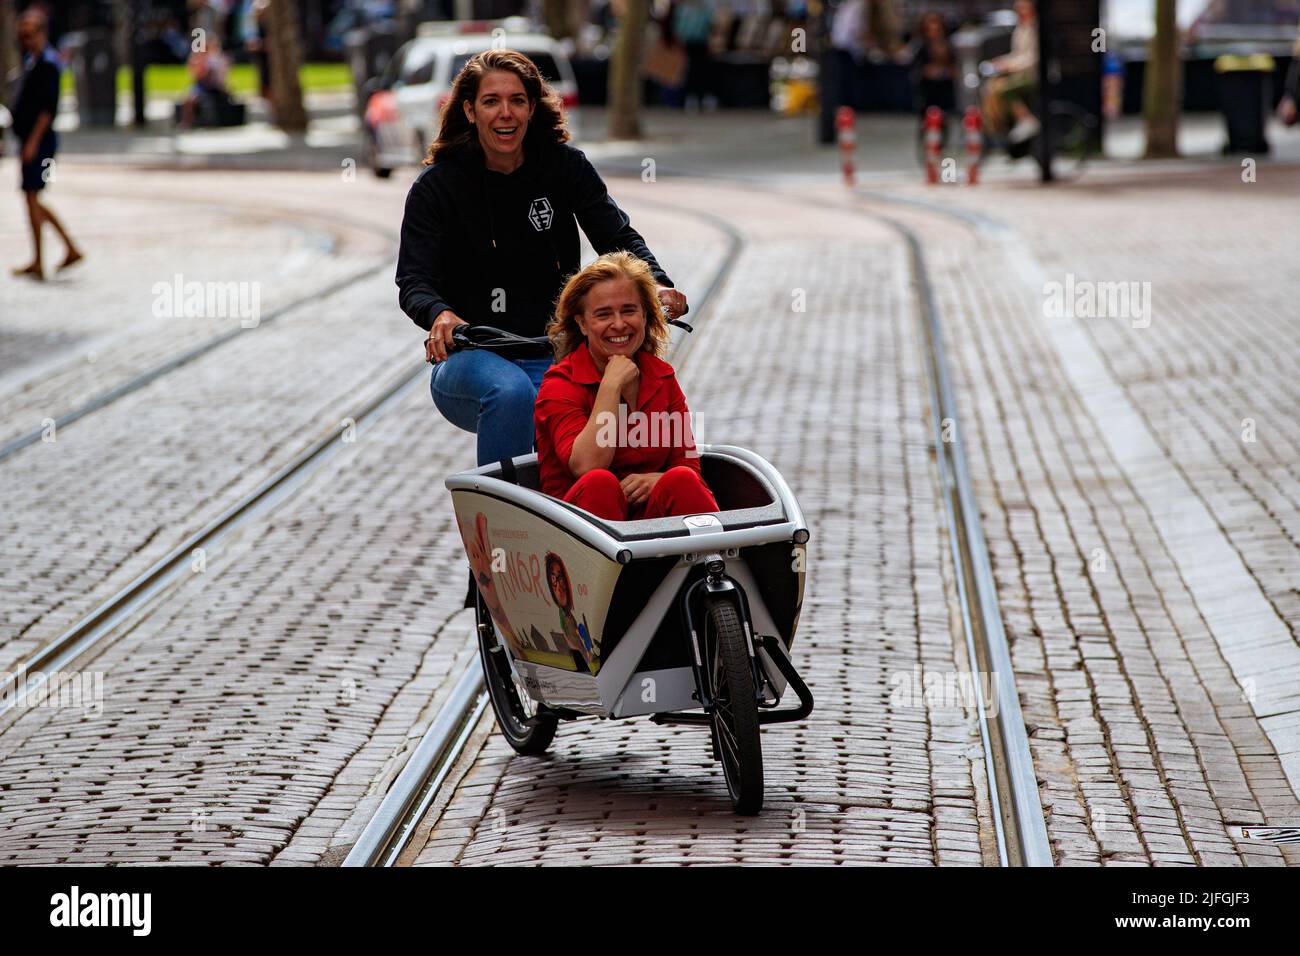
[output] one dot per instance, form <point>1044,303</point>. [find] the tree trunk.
<point>285,59</point>
<point>625,72</point>
<point>1163,85</point>
<point>8,48</point>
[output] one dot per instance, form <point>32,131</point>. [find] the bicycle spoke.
<point>729,739</point>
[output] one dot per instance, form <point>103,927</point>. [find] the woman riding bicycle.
<point>489,236</point>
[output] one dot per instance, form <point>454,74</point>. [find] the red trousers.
<point>680,491</point>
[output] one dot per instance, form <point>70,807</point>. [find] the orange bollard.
<point>933,141</point>
<point>974,143</point>
<point>845,119</point>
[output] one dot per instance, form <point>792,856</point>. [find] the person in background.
<point>692,25</point>
<point>254,29</point>
<point>1286,107</point>
<point>1015,84</point>
<point>848,40</point>
<point>934,67</point>
<point>33,123</point>
<point>209,69</point>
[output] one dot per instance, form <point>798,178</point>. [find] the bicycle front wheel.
<point>735,706</point>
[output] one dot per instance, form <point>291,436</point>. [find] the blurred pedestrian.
<point>934,65</point>
<point>33,123</point>
<point>1015,84</point>
<point>692,22</point>
<point>1286,108</point>
<point>208,68</point>
<point>254,28</point>
<point>848,43</point>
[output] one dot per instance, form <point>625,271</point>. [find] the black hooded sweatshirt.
<point>497,248</point>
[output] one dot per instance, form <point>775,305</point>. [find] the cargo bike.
<point>687,620</point>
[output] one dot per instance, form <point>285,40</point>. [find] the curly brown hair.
<point>457,133</point>
<point>563,328</point>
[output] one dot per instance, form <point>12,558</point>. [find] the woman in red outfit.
<point>613,430</point>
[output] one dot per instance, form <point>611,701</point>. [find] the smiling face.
<point>613,320</point>
<point>500,113</point>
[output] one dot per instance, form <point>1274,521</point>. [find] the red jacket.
<point>648,442</point>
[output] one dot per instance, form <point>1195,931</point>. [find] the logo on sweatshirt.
<point>540,214</point>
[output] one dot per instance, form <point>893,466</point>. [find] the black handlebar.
<point>508,344</point>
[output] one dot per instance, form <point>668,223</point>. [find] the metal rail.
<point>1013,782</point>
<point>1019,825</point>
<point>385,836</point>
<point>137,382</point>
<point>96,626</point>
<point>416,787</point>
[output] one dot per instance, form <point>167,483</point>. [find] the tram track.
<point>1017,813</point>
<point>1015,806</point>
<point>187,356</point>
<point>115,617</point>
<point>1019,824</point>
<point>389,830</point>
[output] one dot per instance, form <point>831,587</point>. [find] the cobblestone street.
<point>1137,479</point>
<point>1137,476</point>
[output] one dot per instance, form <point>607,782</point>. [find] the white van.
<point>402,114</point>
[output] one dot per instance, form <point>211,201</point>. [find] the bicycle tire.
<point>527,735</point>
<point>734,723</point>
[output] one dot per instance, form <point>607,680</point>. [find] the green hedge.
<point>172,80</point>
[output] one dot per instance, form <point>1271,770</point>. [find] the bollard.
<point>933,141</point>
<point>974,143</point>
<point>844,122</point>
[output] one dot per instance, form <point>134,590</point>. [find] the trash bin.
<point>94,72</point>
<point>1244,83</point>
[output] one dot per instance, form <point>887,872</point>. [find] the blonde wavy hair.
<point>563,328</point>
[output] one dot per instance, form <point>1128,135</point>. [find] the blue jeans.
<point>481,392</point>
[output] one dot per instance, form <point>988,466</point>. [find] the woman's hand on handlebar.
<point>439,340</point>
<point>674,302</point>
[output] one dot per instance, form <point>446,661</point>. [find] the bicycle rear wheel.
<point>525,728</point>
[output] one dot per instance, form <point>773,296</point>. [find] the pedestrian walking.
<point>33,112</point>
<point>693,26</point>
<point>933,70</point>
<point>490,235</point>
<point>848,43</point>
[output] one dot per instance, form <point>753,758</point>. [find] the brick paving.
<point>835,397</point>
<point>253,715</point>
<point>259,713</point>
<point>1151,742</point>
<point>85,332</point>
<point>179,451</point>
